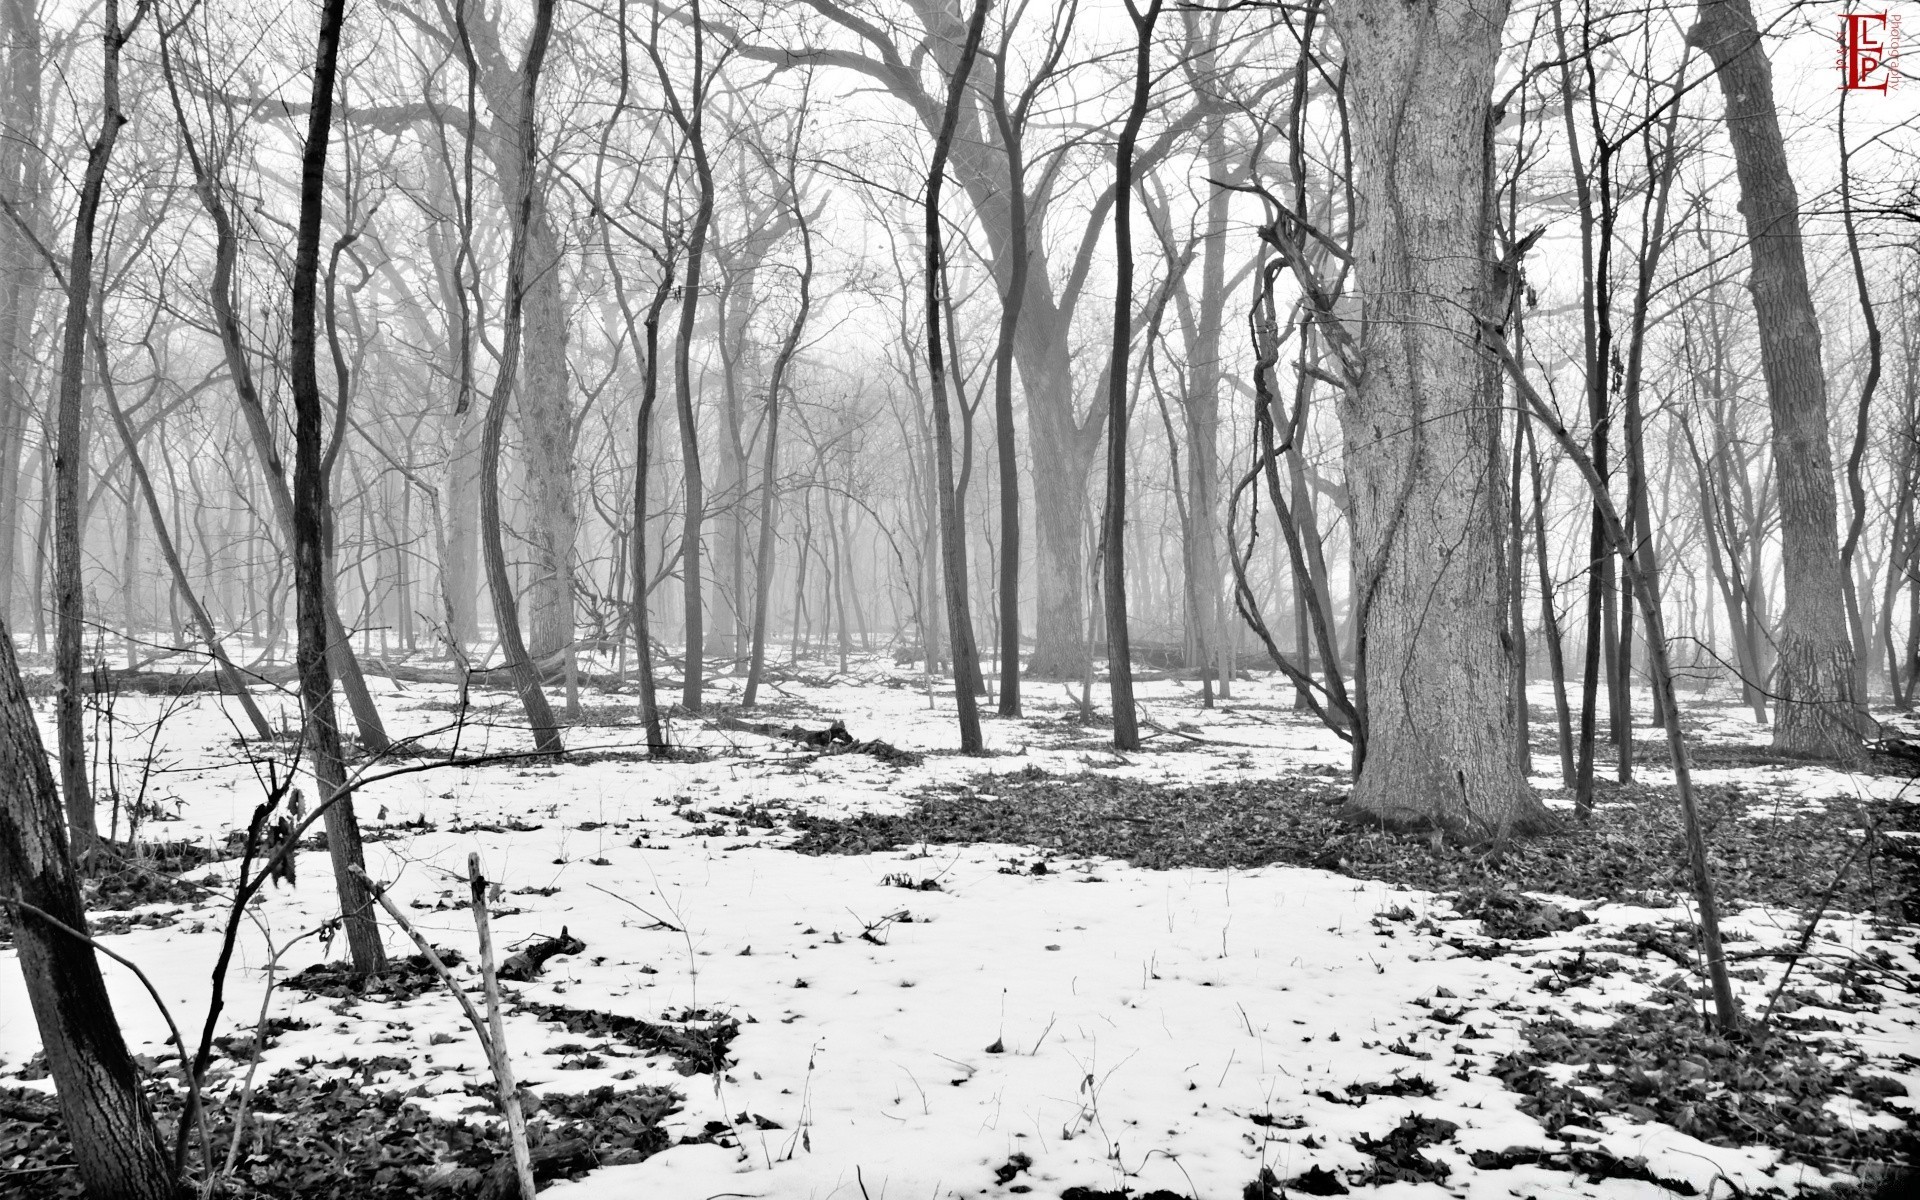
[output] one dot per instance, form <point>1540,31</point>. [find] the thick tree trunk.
<point>1817,709</point>
<point>117,1146</point>
<point>1059,493</point>
<point>1424,463</point>
<point>506,609</point>
<point>543,398</point>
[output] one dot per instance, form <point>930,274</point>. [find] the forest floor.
<point>1052,970</point>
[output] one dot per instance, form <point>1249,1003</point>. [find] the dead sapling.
<point>489,1030</point>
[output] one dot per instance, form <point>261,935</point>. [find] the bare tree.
<point>1425,471</point>
<point>1817,709</point>
<point>117,1146</point>
<point>506,610</point>
<point>312,568</point>
<point>953,538</point>
<point>1126,725</point>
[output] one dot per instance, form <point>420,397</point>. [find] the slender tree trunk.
<point>690,116</point>
<point>311,568</point>
<point>1857,616</point>
<point>1517,603</point>
<point>770,462</point>
<point>1113,523</point>
<point>1645,580</point>
<point>953,538</point>
<point>1424,462</point>
<point>1818,710</point>
<point>1550,617</point>
<point>642,469</point>
<point>70,448</point>
<point>1016,256</point>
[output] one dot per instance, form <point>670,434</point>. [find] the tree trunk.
<point>1423,456</point>
<point>1016,256</point>
<point>770,461</point>
<point>311,567</point>
<point>70,452</point>
<point>1549,617</point>
<point>220,293</point>
<point>22,181</point>
<point>690,117</point>
<point>953,538</point>
<point>1113,521</point>
<point>1205,549</point>
<point>117,1146</point>
<point>1817,709</point>
<point>543,398</point>
<point>506,610</point>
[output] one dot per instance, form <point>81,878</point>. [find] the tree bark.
<point>543,398</point>
<point>1424,463</point>
<point>311,566</point>
<point>953,538</point>
<point>1015,255</point>
<point>118,1150</point>
<point>70,448</point>
<point>1205,550</point>
<point>1817,709</point>
<point>22,183</point>
<point>1113,521</point>
<point>506,609</point>
<point>770,461</point>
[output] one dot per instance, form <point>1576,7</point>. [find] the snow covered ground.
<point>1094,1025</point>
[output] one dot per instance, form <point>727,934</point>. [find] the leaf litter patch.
<point>1761,1086</point>
<point>1633,850</point>
<point>335,1139</point>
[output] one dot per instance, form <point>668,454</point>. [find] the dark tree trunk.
<point>953,538</point>
<point>118,1149</point>
<point>220,294</point>
<point>1113,520</point>
<point>310,516</point>
<point>770,463</point>
<point>1550,619</point>
<point>1817,709</point>
<point>70,450</point>
<point>690,117</point>
<point>1015,256</point>
<point>1423,456</point>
